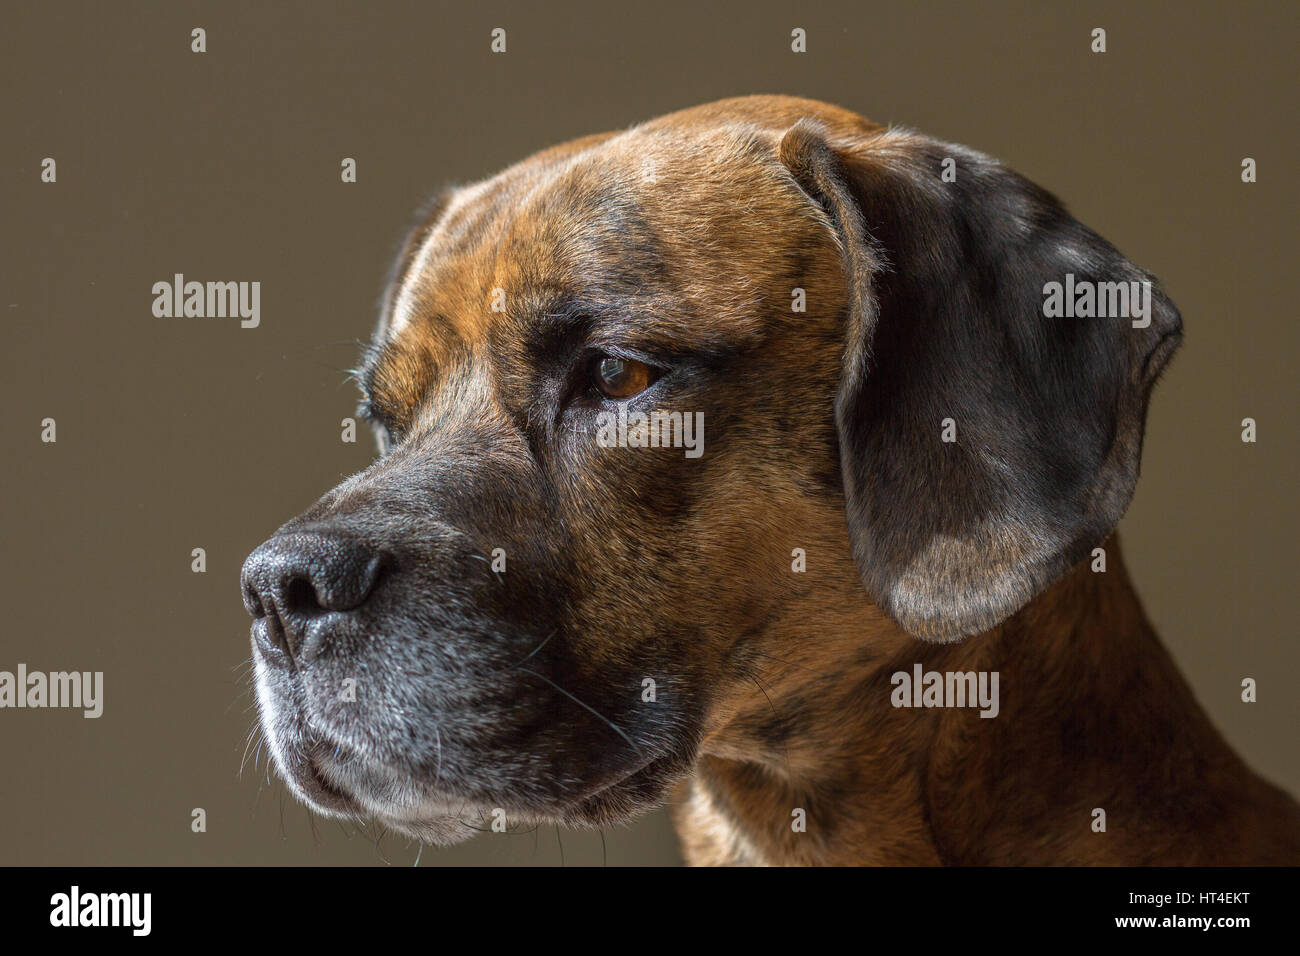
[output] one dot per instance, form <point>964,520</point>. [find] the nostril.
<point>300,598</point>
<point>295,585</point>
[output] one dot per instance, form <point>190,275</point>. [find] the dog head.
<point>533,603</point>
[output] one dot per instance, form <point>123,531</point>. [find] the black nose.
<point>293,583</point>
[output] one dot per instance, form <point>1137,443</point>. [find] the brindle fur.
<point>679,241</point>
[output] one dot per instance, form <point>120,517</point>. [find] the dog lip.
<point>307,774</point>
<point>268,641</point>
<point>557,811</point>
<point>321,757</point>
<point>628,779</point>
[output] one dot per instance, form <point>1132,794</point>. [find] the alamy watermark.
<point>654,429</point>
<point>208,300</point>
<point>922,688</point>
<point>37,689</point>
<point>75,909</point>
<point>1085,299</point>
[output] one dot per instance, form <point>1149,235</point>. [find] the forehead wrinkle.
<point>450,264</point>
<point>586,228</point>
<point>532,227</point>
<point>465,402</point>
<point>581,237</point>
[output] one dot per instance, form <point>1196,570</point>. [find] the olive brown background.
<point>182,433</point>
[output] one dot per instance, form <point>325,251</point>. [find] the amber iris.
<point>620,377</point>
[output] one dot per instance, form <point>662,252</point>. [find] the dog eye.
<point>618,377</point>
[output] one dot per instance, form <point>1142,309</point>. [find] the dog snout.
<point>294,583</point>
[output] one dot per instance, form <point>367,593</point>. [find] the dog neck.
<point>824,766</point>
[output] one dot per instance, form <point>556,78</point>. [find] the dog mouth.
<point>344,786</point>
<point>443,781</point>
<point>332,780</point>
<point>335,779</point>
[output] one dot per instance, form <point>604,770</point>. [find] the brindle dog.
<point>473,623</point>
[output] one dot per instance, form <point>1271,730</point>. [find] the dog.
<point>914,465</point>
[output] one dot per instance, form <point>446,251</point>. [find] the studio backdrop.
<point>145,455</point>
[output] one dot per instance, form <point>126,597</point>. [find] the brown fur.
<point>1095,715</point>
<point>785,676</point>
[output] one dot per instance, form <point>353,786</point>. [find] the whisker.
<point>256,728</point>
<point>536,649</point>
<point>789,663</point>
<point>785,748</point>
<point>611,723</point>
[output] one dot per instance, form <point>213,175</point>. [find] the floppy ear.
<point>987,441</point>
